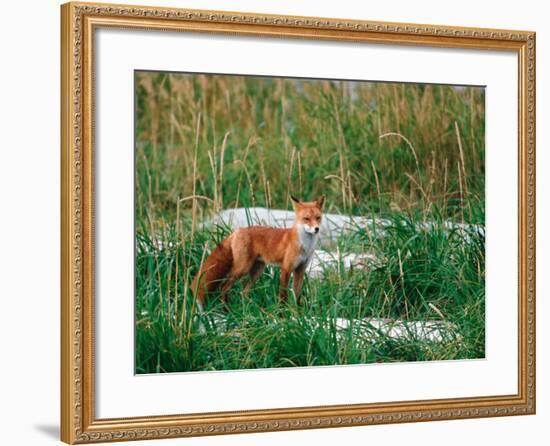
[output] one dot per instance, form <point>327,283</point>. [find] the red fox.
<point>248,250</point>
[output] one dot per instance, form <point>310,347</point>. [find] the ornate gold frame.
<point>78,22</point>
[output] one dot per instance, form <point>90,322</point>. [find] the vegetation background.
<point>410,153</point>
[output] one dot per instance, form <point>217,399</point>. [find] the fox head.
<point>308,214</point>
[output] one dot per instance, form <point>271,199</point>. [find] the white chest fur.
<point>308,242</point>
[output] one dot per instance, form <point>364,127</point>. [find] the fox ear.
<point>295,201</point>
<point>320,201</point>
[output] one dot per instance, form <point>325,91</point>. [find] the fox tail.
<point>212,272</point>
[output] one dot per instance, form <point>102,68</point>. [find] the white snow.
<point>323,260</point>
<point>332,225</point>
<point>367,329</point>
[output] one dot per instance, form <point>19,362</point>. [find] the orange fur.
<point>247,250</point>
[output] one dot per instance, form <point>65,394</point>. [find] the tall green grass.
<point>409,153</point>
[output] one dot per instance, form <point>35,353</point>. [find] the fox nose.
<point>316,229</point>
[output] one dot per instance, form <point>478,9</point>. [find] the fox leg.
<point>225,287</point>
<point>298,280</point>
<point>283,286</point>
<point>239,269</point>
<point>254,273</point>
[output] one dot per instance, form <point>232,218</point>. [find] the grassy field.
<point>408,153</point>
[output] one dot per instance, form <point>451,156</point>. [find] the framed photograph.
<point>276,223</point>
